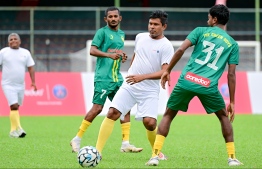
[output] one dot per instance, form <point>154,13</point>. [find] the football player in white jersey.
<point>14,61</point>
<point>152,54</point>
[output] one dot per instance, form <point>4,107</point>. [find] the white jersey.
<point>14,63</point>
<point>150,55</point>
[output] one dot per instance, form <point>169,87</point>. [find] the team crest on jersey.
<point>197,79</point>
<point>123,39</point>
<point>23,56</point>
<point>111,37</point>
<point>157,51</point>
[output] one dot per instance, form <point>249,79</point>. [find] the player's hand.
<point>34,86</point>
<point>124,57</point>
<point>132,79</point>
<point>165,78</point>
<point>231,112</point>
<point>114,56</point>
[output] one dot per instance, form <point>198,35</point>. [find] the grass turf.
<point>194,141</point>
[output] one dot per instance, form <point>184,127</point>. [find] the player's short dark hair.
<point>111,8</point>
<point>221,12</point>
<point>161,15</point>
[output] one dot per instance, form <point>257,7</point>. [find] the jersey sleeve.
<point>30,61</point>
<point>234,55</point>
<point>98,38</point>
<point>194,35</point>
<point>167,53</point>
<point>136,39</point>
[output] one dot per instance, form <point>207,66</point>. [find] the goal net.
<point>250,59</point>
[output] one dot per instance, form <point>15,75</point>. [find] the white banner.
<point>255,90</point>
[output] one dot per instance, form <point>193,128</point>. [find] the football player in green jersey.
<point>213,50</point>
<point>107,46</point>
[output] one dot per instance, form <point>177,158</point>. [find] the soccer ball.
<point>88,156</point>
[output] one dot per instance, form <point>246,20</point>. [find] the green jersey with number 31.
<point>213,50</point>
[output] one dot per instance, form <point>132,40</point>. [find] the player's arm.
<point>156,75</point>
<point>94,51</point>
<point>124,57</point>
<point>178,54</point>
<point>31,71</point>
<point>132,79</point>
<point>231,80</point>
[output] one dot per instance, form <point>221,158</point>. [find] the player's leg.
<point>227,132</point>
<point>125,126</point>
<point>151,127</point>
<point>119,106</point>
<point>12,99</point>
<point>21,132</point>
<point>86,122</point>
<point>179,100</point>
<point>15,113</point>
<point>215,103</point>
<point>151,136</point>
<point>162,132</point>
<point>100,94</point>
<point>106,128</point>
<point>89,117</point>
<point>14,120</point>
<point>148,111</point>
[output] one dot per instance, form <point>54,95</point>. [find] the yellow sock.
<point>105,131</point>
<point>18,122</point>
<point>231,149</point>
<point>14,119</point>
<point>151,136</point>
<point>158,145</point>
<point>84,125</point>
<point>125,131</point>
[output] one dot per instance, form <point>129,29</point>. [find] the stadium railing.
<point>68,28</point>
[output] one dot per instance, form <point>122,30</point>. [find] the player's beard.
<point>153,34</point>
<point>113,26</point>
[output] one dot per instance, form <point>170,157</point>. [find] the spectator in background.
<point>107,46</point>
<point>14,61</point>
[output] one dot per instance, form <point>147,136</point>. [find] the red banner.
<point>242,97</point>
<point>57,94</point>
<point>61,94</point>
<point>242,100</point>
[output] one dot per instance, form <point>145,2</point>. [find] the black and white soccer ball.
<point>88,156</point>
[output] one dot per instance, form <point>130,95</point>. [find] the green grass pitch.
<point>194,141</point>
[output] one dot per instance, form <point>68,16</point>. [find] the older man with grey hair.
<point>14,61</point>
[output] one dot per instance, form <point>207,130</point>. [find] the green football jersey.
<point>110,41</point>
<point>213,50</point>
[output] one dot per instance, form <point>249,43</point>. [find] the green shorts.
<point>180,98</point>
<point>104,90</point>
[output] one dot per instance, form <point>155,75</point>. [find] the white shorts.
<point>13,95</point>
<point>124,100</point>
